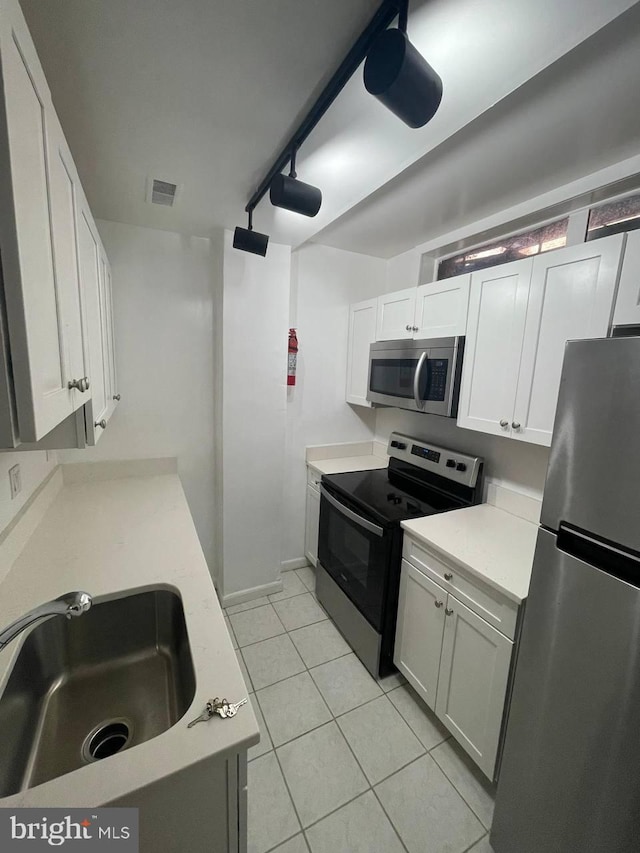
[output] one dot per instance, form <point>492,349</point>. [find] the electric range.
<point>360,537</point>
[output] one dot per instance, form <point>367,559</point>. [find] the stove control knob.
<point>394,444</point>
<point>461,466</point>
<point>401,446</point>
<point>451,463</point>
<point>397,501</point>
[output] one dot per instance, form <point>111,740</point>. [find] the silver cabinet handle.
<point>116,397</point>
<point>101,423</point>
<point>350,514</point>
<point>515,425</point>
<point>438,603</point>
<point>504,424</point>
<point>81,384</point>
<point>416,379</point>
<point>448,611</point>
<point>448,576</point>
<point>409,328</point>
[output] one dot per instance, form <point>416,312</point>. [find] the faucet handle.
<point>77,603</point>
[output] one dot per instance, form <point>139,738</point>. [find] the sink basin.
<point>82,690</point>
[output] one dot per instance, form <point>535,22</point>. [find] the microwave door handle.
<point>352,516</point>
<point>424,358</point>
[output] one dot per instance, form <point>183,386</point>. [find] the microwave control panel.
<point>437,386</point>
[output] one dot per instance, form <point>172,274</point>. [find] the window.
<point>615,217</point>
<point>543,239</point>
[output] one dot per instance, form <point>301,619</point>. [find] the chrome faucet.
<point>70,605</point>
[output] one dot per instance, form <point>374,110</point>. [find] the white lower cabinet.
<point>455,660</point>
<point>312,523</point>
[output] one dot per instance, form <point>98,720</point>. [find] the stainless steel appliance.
<point>423,376</point>
<point>360,537</point>
<point>570,775</point>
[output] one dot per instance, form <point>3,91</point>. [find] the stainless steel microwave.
<point>423,376</point>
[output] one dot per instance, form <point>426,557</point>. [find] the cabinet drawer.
<point>313,478</point>
<point>486,602</point>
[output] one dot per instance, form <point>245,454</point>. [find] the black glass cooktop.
<point>386,495</point>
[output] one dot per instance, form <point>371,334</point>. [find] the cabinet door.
<point>64,182</point>
<point>627,309</point>
<point>312,523</point>
<point>33,300</point>
<point>472,687</point>
<point>92,288</point>
<point>396,313</point>
<point>495,333</point>
<point>108,336</point>
<point>441,308</point>
<point>419,632</point>
<point>571,297</point>
<point>362,332</point>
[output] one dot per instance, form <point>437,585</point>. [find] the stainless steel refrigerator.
<point>570,775</point>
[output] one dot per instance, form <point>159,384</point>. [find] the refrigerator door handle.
<point>600,554</point>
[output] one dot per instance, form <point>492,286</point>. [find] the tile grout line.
<point>462,796</point>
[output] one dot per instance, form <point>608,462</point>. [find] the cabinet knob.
<point>409,328</point>
<point>448,576</point>
<point>116,397</point>
<point>101,423</point>
<point>81,384</point>
<point>438,603</point>
<point>515,425</point>
<point>415,328</point>
<point>448,611</point>
<point>504,424</point>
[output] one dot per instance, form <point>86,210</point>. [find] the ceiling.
<point>203,93</point>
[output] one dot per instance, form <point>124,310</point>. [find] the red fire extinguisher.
<point>293,357</point>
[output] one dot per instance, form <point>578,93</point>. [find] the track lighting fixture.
<point>400,77</point>
<point>248,240</point>
<point>288,192</point>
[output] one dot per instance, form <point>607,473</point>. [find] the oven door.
<point>356,552</point>
<point>423,376</point>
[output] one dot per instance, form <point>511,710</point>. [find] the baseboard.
<point>290,565</point>
<point>250,594</point>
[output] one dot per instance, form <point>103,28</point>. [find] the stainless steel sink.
<point>84,689</point>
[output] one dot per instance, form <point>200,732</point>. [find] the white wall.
<point>324,282</point>
<point>34,467</point>
<point>255,329</point>
<point>515,464</point>
<point>163,294</point>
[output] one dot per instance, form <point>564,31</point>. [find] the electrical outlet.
<point>15,479</point>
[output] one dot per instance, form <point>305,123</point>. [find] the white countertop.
<point>343,464</point>
<point>487,542</point>
<point>128,534</point>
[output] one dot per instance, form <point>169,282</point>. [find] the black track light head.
<point>291,194</point>
<point>248,240</point>
<point>401,79</point>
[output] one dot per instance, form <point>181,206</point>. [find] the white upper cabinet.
<point>627,308</point>
<point>441,308</point>
<point>495,329</point>
<point>41,298</point>
<point>396,313</point>
<point>570,297</point>
<point>362,333</point>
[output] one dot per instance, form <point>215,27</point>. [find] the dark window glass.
<point>612,218</point>
<point>543,239</point>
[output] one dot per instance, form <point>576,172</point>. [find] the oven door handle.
<point>424,358</point>
<point>350,514</point>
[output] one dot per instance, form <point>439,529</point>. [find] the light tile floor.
<point>346,764</point>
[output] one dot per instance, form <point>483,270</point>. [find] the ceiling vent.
<point>161,192</point>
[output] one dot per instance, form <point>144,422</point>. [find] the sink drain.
<point>107,739</point>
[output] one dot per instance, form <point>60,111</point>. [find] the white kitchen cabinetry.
<point>472,687</point>
<point>627,307</point>
<point>521,315</point>
<point>493,346</point>
<point>36,241</point>
<point>362,333</point>
<point>441,308</point>
<point>312,517</point>
<point>49,357</point>
<point>419,631</point>
<point>396,315</point>
<point>453,657</point>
